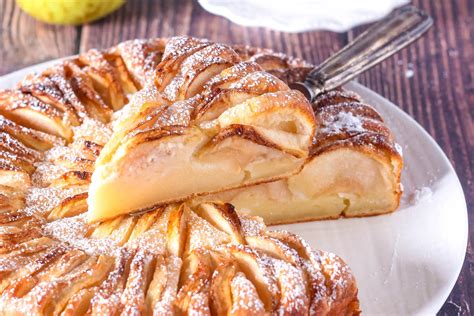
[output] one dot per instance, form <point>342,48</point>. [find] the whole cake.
<point>166,254</point>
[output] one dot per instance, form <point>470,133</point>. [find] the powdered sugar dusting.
<point>292,283</point>
<point>93,130</point>
<point>72,231</point>
<point>422,195</point>
<point>258,80</point>
<point>252,226</point>
<point>46,172</point>
<point>141,57</point>
<point>343,121</point>
<point>40,201</point>
<point>204,235</point>
<point>245,296</point>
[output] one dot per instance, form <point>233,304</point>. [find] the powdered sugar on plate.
<point>422,195</point>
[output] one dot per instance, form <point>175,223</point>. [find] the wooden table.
<point>432,80</point>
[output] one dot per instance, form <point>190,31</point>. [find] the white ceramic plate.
<point>302,15</point>
<point>405,263</point>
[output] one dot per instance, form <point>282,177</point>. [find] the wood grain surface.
<point>432,80</point>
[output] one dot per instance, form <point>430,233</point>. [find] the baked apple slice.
<point>193,296</point>
<point>79,303</point>
<point>106,300</point>
<point>245,299</point>
<point>177,230</point>
<point>197,69</point>
<point>51,87</point>
<point>166,288</point>
<point>83,87</point>
<point>224,218</point>
<point>105,78</point>
<point>11,199</point>
<point>29,111</point>
<point>140,58</point>
<point>141,272</point>
<point>29,136</point>
<point>220,290</point>
<point>259,271</point>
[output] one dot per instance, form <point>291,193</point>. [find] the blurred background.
<point>432,80</point>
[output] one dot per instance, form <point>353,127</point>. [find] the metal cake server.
<point>383,39</point>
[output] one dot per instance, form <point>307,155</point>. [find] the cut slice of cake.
<point>209,122</point>
<point>353,170</point>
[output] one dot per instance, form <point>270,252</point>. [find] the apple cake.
<point>180,258</point>
<point>119,170</point>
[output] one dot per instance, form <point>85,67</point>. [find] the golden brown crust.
<point>340,115</point>
<point>213,57</point>
<point>284,67</point>
<point>73,177</point>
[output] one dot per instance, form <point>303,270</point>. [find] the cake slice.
<point>353,170</point>
<point>208,123</point>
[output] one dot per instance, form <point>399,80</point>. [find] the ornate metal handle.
<point>383,39</point>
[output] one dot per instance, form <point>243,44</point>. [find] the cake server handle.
<point>383,39</point>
